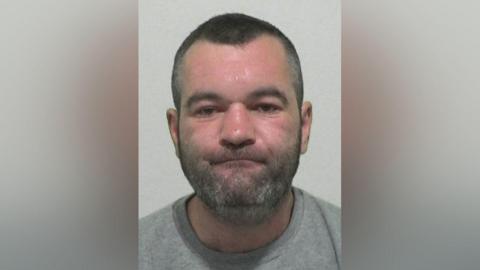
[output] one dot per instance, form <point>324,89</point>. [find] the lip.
<point>239,162</point>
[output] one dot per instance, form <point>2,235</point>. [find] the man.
<point>239,127</point>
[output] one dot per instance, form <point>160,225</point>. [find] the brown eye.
<point>205,112</point>
<point>267,108</point>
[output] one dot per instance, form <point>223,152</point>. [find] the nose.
<point>237,127</point>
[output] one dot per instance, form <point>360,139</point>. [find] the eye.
<point>267,108</point>
<point>205,111</point>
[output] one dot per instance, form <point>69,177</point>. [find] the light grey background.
<point>314,28</point>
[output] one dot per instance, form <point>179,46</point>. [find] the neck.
<point>230,238</point>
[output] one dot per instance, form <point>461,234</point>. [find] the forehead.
<point>234,70</point>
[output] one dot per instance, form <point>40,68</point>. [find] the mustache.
<point>230,155</point>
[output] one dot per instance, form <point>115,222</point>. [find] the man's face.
<point>239,133</point>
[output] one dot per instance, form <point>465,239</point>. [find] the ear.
<point>172,119</point>
<point>306,123</point>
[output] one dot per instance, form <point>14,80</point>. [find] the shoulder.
<point>154,226</point>
<point>316,209</point>
<point>150,222</point>
<point>156,233</point>
<point>331,212</point>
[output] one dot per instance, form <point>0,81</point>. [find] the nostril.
<point>237,127</point>
<point>236,146</point>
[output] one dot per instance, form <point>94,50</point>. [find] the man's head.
<point>240,124</point>
<point>236,30</point>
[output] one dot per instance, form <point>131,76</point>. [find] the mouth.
<point>236,162</point>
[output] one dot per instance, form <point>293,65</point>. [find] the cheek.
<point>277,132</point>
<point>199,136</point>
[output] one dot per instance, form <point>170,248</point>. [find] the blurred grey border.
<point>68,114</point>
<point>410,134</point>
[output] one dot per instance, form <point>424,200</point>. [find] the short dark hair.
<point>235,29</point>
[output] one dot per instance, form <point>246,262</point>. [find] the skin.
<point>238,97</point>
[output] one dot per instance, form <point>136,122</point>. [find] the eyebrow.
<point>202,96</point>
<point>261,92</point>
<point>268,92</point>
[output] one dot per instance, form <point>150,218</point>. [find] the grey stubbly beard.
<point>241,198</point>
